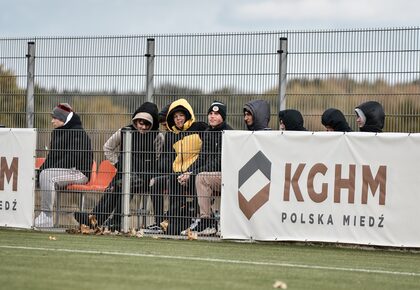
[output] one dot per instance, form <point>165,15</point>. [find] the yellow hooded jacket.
<point>187,146</point>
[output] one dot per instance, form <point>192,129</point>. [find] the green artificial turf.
<point>30,260</point>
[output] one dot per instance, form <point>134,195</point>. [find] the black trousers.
<point>111,201</point>
<point>183,206</point>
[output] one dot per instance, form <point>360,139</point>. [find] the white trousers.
<point>52,178</point>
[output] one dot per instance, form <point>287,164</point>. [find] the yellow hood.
<point>184,106</point>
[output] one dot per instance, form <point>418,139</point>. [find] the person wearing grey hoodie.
<point>257,115</point>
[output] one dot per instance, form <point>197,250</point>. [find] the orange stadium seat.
<point>103,177</point>
<point>39,161</point>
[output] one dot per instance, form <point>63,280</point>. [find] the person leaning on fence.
<point>144,132</point>
<point>334,120</point>
<point>291,120</point>
<point>69,160</point>
<point>182,147</point>
<point>370,117</point>
<point>257,115</point>
<point>208,181</point>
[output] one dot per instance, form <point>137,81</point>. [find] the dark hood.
<point>152,109</point>
<point>292,120</point>
<point>260,110</point>
<point>73,123</point>
<point>335,119</point>
<point>375,116</point>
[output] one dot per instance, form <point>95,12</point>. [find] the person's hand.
<point>183,178</point>
<point>152,182</point>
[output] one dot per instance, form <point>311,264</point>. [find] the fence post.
<point>126,179</point>
<point>30,85</point>
<point>150,55</point>
<point>282,72</point>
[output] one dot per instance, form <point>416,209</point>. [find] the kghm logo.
<point>259,162</point>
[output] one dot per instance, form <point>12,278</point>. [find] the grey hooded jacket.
<point>260,110</point>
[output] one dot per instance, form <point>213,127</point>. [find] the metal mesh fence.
<point>138,189</point>
<point>106,78</point>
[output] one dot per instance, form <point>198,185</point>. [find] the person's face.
<point>249,120</point>
<point>329,128</point>
<point>56,123</point>
<point>282,126</point>
<point>179,119</point>
<point>360,121</point>
<point>215,119</point>
<point>163,126</point>
<point>142,125</point>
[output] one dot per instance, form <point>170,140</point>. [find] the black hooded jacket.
<point>375,116</point>
<point>70,147</point>
<point>292,120</point>
<point>143,151</point>
<point>210,159</point>
<point>335,119</point>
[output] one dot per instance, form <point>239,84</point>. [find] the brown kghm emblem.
<point>258,162</point>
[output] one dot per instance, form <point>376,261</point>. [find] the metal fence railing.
<point>141,191</point>
<point>106,78</point>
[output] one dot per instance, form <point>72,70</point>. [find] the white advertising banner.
<point>17,167</point>
<point>359,188</point>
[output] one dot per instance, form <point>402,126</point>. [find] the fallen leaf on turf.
<point>164,225</point>
<point>132,232</point>
<point>140,233</point>
<point>52,238</point>
<point>280,285</point>
<point>99,231</point>
<point>93,221</point>
<point>192,235</point>
<point>84,229</point>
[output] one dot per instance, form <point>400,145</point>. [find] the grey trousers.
<point>52,178</point>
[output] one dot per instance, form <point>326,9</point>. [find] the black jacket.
<point>210,159</point>
<point>70,147</point>
<point>375,116</point>
<point>336,120</point>
<point>143,151</point>
<point>292,120</point>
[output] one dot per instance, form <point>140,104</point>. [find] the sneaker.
<point>209,231</point>
<point>153,229</point>
<point>193,227</point>
<point>113,224</point>
<point>203,226</point>
<point>43,221</point>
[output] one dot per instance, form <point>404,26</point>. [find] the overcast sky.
<point>28,18</point>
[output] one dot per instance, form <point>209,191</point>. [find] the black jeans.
<point>111,200</point>
<point>157,194</point>
<point>183,206</point>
